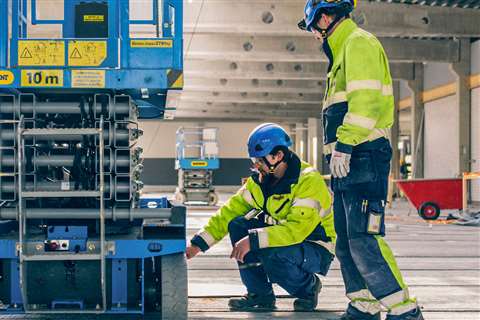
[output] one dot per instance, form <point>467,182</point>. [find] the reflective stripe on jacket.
<point>295,210</point>
<point>358,104</point>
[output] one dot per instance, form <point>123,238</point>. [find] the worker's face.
<point>322,24</point>
<point>262,166</point>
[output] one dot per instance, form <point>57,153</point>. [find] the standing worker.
<point>357,114</point>
<point>280,225</point>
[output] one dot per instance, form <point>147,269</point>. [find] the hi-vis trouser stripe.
<point>364,301</point>
<point>399,302</point>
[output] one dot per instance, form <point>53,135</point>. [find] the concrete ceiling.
<point>247,58</point>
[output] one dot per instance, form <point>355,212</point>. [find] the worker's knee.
<point>342,249</point>
<point>365,250</point>
<point>275,262</point>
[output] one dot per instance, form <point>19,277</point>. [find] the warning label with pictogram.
<point>41,53</point>
<point>76,54</point>
<point>86,53</point>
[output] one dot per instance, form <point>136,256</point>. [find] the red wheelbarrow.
<point>429,196</point>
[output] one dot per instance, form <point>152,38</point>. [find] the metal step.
<point>50,256</point>
<point>59,132</point>
<point>66,311</point>
<point>60,194</point>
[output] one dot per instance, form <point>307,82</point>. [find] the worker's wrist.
<point>200,243</point>
<point>343,147</point>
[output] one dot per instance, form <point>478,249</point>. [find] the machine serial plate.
<point>88,78</point>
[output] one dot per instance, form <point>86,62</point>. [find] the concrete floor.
<point>441,264</point>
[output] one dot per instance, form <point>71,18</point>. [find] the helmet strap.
<point>272,167</point>
<point>325,32</point>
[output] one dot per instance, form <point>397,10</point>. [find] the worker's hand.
<point>192,251</point>
<point>240,249</point>
<point>340,164</point>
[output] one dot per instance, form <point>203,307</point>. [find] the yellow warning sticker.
<point>41,53</point>
<point>42,78</point>
<point>151,43</point>
<point>88,78</point>
<point>6,77</point>
<point>199,163</point>
<point>86,53</point>
<point>93,18</point>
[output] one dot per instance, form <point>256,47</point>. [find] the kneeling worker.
<point>280,224</point>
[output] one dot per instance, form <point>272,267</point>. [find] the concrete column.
<point>293,136</point>
<point>301,141</point>
<point>315,143</point>
<point>464,105</point>
<point>395,132</point>
<point>417,121</point>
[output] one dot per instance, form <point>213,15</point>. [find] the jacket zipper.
<point>281,207</point>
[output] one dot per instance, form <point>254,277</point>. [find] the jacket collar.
<point>335,42</point>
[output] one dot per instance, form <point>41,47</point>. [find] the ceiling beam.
<point>301,49</point>
<point>240,116</point>
<point>280,17</point>
<point>260,86</point>
<point>275,70</point>
<point>247,106</point>
<point>246,97</point>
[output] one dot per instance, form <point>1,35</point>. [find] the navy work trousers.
<point>365,259</point>
<point>291,267</point>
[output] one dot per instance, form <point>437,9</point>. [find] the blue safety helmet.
<point>264,138</point>
<point>314,8</point>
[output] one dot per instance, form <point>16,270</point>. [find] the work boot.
<point>348,316</point>
<point>309,304</point>
<point>253,302</point>
<point>415,314</point>
<point>354,314</point>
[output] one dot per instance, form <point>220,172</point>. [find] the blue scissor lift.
<point>74,235</point>
<point>196,160</point>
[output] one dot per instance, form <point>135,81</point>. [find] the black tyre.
<point>166,291</point>
<point>429,211</point>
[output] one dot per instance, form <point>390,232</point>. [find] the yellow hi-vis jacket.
<point>298,204</point>
<point>358,104</point>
